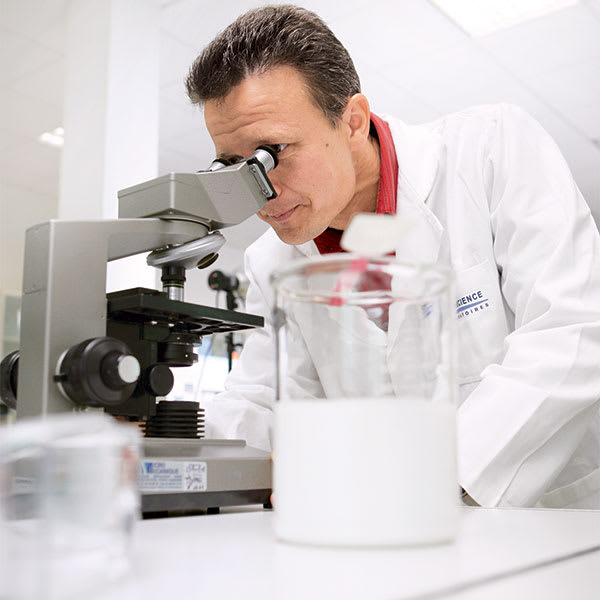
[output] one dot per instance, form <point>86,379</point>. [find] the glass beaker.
<point>68,503</point>
<point>364,437</point>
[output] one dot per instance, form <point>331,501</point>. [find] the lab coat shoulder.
<point>461,139</point>
<point>442,176</point>
<point>499,144</point>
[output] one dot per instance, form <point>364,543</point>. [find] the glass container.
<point>364,439</point>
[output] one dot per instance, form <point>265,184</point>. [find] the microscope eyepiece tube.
<point>263,160</point>
<point>267,156</point>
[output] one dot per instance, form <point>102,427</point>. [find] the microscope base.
<point>185,475</point>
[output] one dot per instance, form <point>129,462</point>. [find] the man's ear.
<point>357,118</point>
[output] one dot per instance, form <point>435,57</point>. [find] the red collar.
<point>329,240</point>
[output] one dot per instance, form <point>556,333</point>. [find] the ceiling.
<point>414,63</point>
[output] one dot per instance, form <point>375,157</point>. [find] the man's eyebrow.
<point>230,157</point>
<point>272,140</point>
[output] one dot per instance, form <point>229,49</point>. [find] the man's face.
<point>315,180</point>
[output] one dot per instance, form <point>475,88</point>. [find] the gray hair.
<point>271,36</point>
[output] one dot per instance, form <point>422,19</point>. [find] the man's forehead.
<point>234,140</point>
<point>245,132</point>
<point>259,121</point>
<point>261,106</point>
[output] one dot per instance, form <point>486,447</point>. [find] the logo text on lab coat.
<point>471,303</point>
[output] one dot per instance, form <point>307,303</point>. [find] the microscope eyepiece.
<point>267,156</point>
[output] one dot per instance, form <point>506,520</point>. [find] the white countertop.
<point>499,553</point>
<point>577,578</point>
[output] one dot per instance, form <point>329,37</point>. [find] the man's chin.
<point>292,238</point>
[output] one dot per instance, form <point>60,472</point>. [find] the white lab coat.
<point>495,198</point>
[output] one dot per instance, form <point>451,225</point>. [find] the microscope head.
<point>225,194</point>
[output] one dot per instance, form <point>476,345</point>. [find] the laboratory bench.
<point>499,553</point>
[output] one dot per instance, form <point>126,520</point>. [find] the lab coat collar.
<point>308,249</point>
<point>418,150</point>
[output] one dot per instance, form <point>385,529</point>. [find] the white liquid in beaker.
<point>365,472</point>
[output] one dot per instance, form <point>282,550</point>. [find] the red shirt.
<point>329,240</point>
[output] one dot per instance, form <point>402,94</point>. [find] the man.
<point>494,198</point>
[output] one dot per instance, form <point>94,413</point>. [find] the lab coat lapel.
<point>418,150</point>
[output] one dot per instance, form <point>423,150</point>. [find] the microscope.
<point>83,349</point>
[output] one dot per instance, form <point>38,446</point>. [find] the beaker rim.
<point>438,276</point>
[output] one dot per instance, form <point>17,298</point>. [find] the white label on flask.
<point>172,476</point>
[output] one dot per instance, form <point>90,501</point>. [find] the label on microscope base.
<point>172,476</point>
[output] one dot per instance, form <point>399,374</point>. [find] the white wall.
<point>20,208</point>
<point>111,108</point>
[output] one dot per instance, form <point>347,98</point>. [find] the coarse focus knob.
<point>118,370</point>
<point>98,372</point>
<point>9,374</point>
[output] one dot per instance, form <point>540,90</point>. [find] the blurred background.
<point>92,100</point>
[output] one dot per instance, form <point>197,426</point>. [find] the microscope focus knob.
<point>119,370</point>
<point>9,374</point>
<point>159,380</point>
<point>98,372</point>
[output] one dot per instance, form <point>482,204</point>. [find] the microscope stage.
<point>145,305</point>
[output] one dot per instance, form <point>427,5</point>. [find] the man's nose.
<point>275,182</point>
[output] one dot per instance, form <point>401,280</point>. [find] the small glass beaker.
<point>68,503</point>
<point>364,437</point>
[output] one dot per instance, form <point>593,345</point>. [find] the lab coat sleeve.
<point>521,425</point>
<point>244,409</point>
